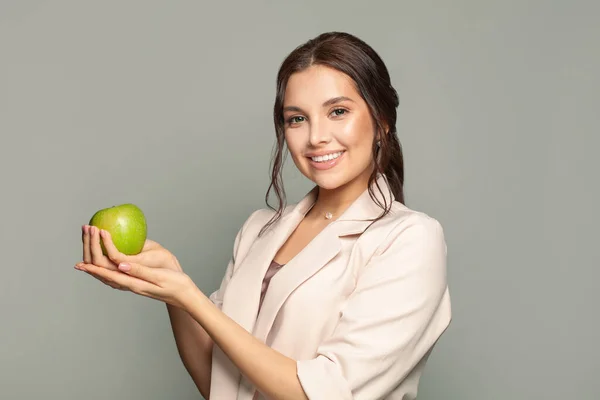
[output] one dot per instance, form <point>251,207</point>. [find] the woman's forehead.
<point>317,85</point>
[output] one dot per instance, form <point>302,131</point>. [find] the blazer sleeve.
<point>398,310</point>
<point>240,246</point>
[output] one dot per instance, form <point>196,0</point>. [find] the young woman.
<point>340,296</point>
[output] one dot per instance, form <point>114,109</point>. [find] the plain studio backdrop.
<point>169,105</point>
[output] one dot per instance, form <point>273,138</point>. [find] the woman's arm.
<point>194,346</point>
<point>272,373</point>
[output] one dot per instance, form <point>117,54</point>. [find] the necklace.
<point>328,215</point>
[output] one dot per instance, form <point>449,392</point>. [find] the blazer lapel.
<point>322,249</point>
<point>242,298</point>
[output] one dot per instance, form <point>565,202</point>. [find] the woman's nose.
<point>319,134</point>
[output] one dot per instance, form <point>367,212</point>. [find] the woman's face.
<point>328,127</point>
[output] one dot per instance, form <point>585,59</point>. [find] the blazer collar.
<point>362,211</point>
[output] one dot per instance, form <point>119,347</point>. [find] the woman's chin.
<point>329,182</point>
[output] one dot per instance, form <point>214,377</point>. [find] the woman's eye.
<point>295,120</point>
<point>299,119</point>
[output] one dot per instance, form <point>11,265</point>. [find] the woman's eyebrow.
<point>327,103</point>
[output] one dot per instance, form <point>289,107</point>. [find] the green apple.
<point>127,227</point>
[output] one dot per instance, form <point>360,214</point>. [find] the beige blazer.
<point>359,313</point>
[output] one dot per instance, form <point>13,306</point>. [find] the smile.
<point>327,157</point>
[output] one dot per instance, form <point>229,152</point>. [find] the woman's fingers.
<point>151,245</point>
<point>145,273</point>
<point>111,251</point>
<point>119,279</point>
<point>87,254</point>
<point>107,282</point>
<point>151,256</point>
<point>98,258</point>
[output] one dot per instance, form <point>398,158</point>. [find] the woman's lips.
<point>324,165</point>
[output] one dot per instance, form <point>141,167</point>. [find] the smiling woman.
<point>324,134</point>
<point>342,295</point>
<point>334,94</point>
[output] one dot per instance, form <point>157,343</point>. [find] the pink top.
<point>273,268</point>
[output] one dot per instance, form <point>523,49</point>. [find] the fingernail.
<point>124,267</point>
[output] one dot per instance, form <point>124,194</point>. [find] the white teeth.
<point>327,157</point>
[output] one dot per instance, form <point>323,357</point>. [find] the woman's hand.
<point>155,272</point>
<point>152,254</point>
<point>163,284</point>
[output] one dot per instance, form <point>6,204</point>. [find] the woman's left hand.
<point>164,284</point>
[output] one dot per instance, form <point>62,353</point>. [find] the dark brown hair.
<point>353,57</point>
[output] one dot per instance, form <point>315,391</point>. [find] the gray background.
<point>168,105</point>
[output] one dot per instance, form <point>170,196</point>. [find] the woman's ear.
<point>386,130</point>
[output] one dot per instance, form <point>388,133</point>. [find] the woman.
<point>357,294</point>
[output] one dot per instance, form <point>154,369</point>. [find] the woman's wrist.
<point>192,299</point>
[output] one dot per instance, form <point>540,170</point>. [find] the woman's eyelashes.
<point>337,111</point>
<point>294,120</point>
<point>298,119</point>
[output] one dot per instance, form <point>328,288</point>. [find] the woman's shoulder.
<point>408,225</point>
<point>261,216</point>
<point>258,218</point>
<point>402,216</point>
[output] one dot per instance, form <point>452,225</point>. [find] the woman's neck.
<point>333,202</point>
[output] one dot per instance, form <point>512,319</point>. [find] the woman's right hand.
<point>152,255</point>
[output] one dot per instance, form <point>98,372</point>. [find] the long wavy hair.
<point>353,57</point>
